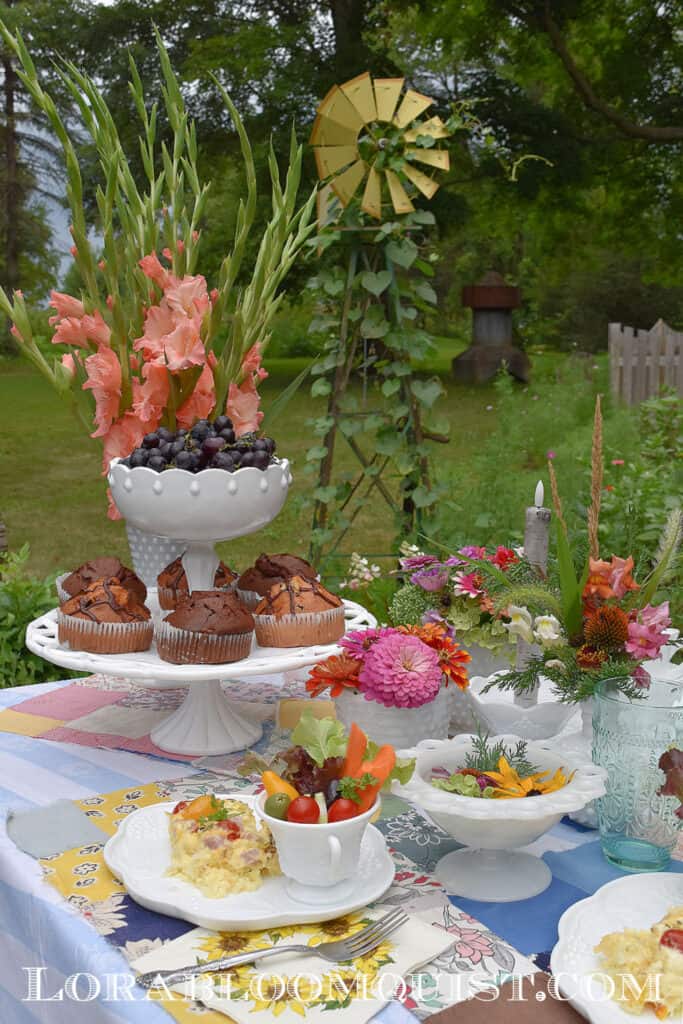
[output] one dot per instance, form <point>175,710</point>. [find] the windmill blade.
<point>372,196</point>
<point>346,184</point>
<point>438,158</point>
<point>433,127</point>
<point>338,122</point>
<point>412,105</point>
<point>399,196</point>
<point>330,159</point>
<point>426,185</point>
<point>387,92</point>
<point>360,93</point>
<point>325,202</point>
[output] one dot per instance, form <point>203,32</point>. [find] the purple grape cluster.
<point>207,445</point>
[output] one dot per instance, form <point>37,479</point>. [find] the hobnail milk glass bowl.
<point>488,828</point>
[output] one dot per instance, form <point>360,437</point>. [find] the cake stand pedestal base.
<point>206,723</point>
<point>493,876</point>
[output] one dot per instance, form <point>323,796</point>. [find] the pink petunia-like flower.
<point>466,584</point>
<point>646,635</point>
<point>201,401</point>
<point>104,380</point>
<point>400,671</point>
<point>243,406</point>
<point>433,578</point>
<point>66,306</point>
<point>359,642</point>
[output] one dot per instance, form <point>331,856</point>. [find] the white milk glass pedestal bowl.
<point>199,508</point>
<point>490,868</point>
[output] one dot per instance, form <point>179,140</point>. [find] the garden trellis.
<point>373,133</point>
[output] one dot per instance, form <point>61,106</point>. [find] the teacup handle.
<point>335,854</point>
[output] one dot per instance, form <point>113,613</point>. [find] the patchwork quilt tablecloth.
<point>61,912</point>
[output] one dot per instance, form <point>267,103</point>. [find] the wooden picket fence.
<point>641,362</point>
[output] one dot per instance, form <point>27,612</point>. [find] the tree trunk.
<point>348,21</point>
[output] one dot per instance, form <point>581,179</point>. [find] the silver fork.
<point>343,949</point>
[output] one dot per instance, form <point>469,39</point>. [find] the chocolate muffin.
<point>172,582</point>
<point>298,612</point>
<point>257,581</point>
<point>105,618</point>
<point>105,568</point>
<point>207,627</point>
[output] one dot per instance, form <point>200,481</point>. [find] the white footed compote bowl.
<point>490,829</point>
<point>200,508</point>
<point>496,711</point>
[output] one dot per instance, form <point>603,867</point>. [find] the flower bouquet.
<point>595,624</point>
<point>149,344</point>
<point>393,680</point>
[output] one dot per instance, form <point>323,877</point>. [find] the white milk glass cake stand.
<point>208,721</point>
<point>198,509</point>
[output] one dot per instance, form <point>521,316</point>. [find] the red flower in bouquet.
<point>607,580</point>
<point>504,558</point>
<point>452,658</point>
<point>589,658</point>
<point>338,673</point>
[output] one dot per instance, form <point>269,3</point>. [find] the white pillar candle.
<point>536,535</point>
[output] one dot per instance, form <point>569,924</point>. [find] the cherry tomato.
<point>341,809</point>
<point>180,806</point>
<point>276,805</point>
<point>304,811</point>
<point>673,939</point>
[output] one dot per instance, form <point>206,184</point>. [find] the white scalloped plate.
<point>139,854</point>
<point>636,901</point>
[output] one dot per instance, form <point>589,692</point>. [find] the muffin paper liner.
<point>168,597</point>
<point>61,592</point>
<point>301,630</point>
<point>104,637</point>
<point>249,598</point>
<point>190,647</point>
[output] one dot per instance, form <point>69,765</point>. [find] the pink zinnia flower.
<point>400,671</point>
<point>359,642</point>
<point>467,584</point>
<point>413,562</point>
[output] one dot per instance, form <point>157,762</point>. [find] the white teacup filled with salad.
<point>319,797</point>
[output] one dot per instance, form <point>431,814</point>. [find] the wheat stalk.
<point>596,482</point>
<point>557,501</point>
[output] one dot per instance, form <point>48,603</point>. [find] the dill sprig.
<point>484,756</point>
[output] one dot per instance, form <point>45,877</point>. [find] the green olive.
<point>276,805</point>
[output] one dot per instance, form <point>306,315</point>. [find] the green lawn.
<point>52,494</point>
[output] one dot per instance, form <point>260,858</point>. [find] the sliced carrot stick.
<point>355,751</point>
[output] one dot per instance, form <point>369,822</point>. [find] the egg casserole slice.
<point>646,967</point>
<point>218,846</point>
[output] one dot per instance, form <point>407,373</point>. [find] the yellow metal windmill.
<point>368,131</point>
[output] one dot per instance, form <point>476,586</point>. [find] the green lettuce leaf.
<point>320,737</point>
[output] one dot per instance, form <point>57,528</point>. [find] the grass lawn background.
<point>52,494</point>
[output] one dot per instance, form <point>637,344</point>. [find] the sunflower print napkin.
<point>296,986</point>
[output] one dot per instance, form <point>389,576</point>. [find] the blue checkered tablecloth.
<point>39,929</point>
